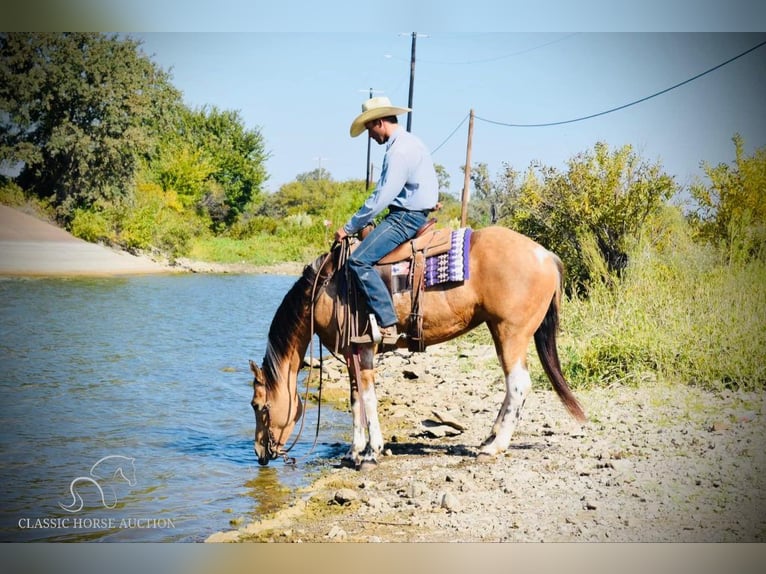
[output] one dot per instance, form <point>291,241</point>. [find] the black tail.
<point>545,343</point>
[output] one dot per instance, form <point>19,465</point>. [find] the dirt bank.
<point>653,464</point>
<point>30,246</point>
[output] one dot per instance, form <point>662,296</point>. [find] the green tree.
<point>310,193</point>
<point>490,198</point>
<point>732,209</point>
<point>76,111</point>
<point>442,176</point>
<point>214,163</point>
<point>588,214</point>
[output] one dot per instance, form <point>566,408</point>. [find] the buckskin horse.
<point>513,285</point>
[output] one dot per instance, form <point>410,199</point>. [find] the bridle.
<point>274,447</point>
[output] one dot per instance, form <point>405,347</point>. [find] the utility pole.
<point>319,168</point>
<point>467,179</point>
<point>412,77</point>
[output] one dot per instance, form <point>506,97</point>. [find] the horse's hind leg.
<point>512,356</point>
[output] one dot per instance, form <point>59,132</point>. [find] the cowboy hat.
<point>374,109</point>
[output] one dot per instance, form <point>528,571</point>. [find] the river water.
<point>125,408</point>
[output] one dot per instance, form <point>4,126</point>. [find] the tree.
<point>442,176</point>
<point>490,198</point>
<point>212,161</point>
<point>732,209</point>
<point>76,111</point>
<point>591,210</point>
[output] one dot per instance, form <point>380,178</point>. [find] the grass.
<point>678,315</point>
<point>258,250</point>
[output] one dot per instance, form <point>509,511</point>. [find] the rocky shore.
<point>658,463</point>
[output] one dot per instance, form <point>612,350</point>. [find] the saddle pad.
<point>453,265</point>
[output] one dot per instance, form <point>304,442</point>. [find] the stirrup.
<point>374,336</point>
<point>389,338</point>
<point>374,329</point>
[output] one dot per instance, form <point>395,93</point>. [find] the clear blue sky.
<point>302,90</point>
<point>299,70</point>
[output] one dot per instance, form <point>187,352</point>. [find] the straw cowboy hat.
<point>374,109</point>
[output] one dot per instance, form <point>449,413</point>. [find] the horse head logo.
<point>106,472</point>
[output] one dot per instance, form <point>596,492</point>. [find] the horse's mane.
<point>292,317</point>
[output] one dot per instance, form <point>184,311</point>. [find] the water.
<point>152,369</point>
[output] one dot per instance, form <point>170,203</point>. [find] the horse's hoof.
<point>347,462</point>
<point>367,465</point>
<point>484,457</point>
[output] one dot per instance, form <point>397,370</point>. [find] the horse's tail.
<point>545,343</point>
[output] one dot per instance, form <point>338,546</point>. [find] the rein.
<point>272,441</point>
<point>346,334</point>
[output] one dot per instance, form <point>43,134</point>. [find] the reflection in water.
<point>150,368</point>
<point>268,492</point>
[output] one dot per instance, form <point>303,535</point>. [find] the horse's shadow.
<point>462,452</point>
<point>457,450</point>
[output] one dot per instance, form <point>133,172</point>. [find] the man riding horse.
<point>408,187</point>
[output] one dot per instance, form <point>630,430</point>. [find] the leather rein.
<point>274,445</point>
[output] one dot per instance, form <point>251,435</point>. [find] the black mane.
<point>291,319</point>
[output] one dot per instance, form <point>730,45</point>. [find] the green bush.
<point>682,312</point>
<point>11,194</point>
<point>91,226</point>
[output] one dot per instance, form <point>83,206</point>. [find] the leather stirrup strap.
<point>415,340</point>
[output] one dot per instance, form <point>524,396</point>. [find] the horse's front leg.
<point>367,441</point>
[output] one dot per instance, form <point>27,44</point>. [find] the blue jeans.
<point>395,229</point>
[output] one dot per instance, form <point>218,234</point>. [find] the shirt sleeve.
<point>392,179</point>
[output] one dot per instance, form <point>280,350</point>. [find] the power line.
<point>490,59</point>
<point>433,151</point>
<point>622,107</point>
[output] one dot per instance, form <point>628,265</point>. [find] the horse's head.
<point>277,409</point>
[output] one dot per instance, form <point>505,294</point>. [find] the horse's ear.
<point>256,371</point>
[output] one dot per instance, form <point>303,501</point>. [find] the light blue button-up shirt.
<point>407,180</point>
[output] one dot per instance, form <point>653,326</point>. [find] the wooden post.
<point>467,179</point>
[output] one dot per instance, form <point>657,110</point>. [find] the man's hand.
<point>341,234</point>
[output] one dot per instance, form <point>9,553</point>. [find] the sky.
<point>299,71</point>
<point>302,90</point>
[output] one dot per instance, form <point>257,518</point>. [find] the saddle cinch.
<point>428,242</point>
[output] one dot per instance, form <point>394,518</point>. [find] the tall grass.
<point>296,238</point>
<point>682,312</point>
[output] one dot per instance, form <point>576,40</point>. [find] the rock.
<point>345,496</point>
<point>415,489</point>
<point>622,466</point>
<point>219,537</point>
<point>336,532</point>
<point>450,502</point>
<point>448,419</point>
<point>436,430</point>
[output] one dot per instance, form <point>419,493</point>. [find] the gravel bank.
<point>652,464</point>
